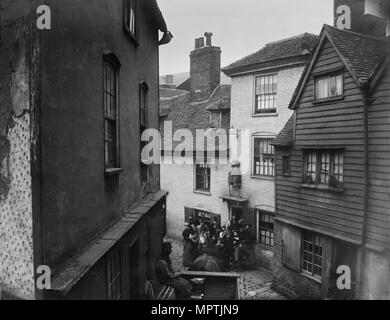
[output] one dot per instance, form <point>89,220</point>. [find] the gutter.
<point>362,280</point>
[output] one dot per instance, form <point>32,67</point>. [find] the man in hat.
<point>188,246</point>
<point>167,276</point>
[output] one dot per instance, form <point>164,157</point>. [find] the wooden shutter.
<point>250,218</point>
<point>291,254</point>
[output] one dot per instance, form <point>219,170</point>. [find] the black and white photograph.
<point>190,151</point>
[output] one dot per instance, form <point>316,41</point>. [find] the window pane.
<point>266,93</point>
<point>110,113</point>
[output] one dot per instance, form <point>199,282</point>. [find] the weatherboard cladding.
<point>360,54</point>
<point>332,124</point>
<point>378,221</point>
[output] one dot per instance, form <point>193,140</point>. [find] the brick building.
<point>332,184</point>
<point>74,195</point>
<point>195,188</point>
<point>262,86</point>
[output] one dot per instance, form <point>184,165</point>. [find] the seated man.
<point>167,276</point>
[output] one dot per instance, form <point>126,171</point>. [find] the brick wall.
<point>205,71</point>
<point>260,191</point>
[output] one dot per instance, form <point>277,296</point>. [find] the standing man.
<point>188,245</point>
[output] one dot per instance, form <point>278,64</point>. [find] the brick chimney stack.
<point>369,17</point>
<point>205,68</point>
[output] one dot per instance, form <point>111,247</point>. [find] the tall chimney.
<point>362,16</point>
<point>205,66</point>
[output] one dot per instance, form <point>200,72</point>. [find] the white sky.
<point>240,27</point>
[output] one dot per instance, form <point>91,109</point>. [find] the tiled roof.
<point>363,53</point>
<point>285,137</point>
<point>188,113</point>
<point>299,45</point>
<point>170,93</point>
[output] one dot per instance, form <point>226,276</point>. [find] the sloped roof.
<point>361,54</point>
<point>186,113</point>
<point>285,137</point>
<point>167,93</point>
<point>302,44</point>
<point>181,77</point>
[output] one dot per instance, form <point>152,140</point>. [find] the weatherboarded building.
<point>332,173</point>
<point>74,195</point>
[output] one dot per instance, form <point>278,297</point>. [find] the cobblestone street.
<point>257,283</point>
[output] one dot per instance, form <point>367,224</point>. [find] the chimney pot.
<point>201,42</point>
<point>196,43</point>
<point>208,36</point>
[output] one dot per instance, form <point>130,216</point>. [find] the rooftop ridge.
<point>327,26</point>
<point>302,35</point>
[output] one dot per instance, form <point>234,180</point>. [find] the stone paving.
<point>257,283</point>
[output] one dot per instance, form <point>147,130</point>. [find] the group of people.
<point>212,247</point>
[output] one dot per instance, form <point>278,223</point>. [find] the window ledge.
<point>310,277</point>
<point>112,171</point>
<point>323,187</point>
<point>271,114</point>
<point>132,37</point>
<point>326,100</point>
<point>265,246</point>
<point>271,178</point>
<point>205,193</point>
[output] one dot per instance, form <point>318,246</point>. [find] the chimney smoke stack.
<point>205,66</point>
<point>208,36</point>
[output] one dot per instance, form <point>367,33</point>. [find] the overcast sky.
<point>240,27</point>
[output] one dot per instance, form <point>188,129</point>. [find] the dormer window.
<point>131,17</point>
<point>329,86</point>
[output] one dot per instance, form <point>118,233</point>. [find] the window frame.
<point>219,122</point>
<point>312,238</point>
<point>253,169</point>
<point>143,113</point>
<point>318,163</point>
<point>286,158</point>
<point>118,277</point>
<point>207,168</point>
<point>266,111</point>
<point>266,228</point>
<point>126,11</point>
<point>328,75</point>
<point>111,61</point>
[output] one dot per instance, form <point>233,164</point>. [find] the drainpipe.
<point>363,278</point>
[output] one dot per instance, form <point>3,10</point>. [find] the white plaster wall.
<point>179,181</point>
